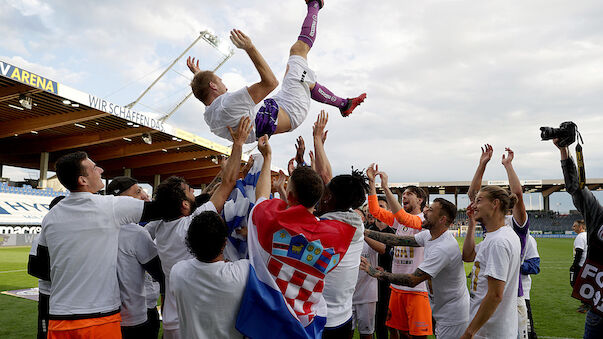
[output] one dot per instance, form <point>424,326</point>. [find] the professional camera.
<point>566,133</point>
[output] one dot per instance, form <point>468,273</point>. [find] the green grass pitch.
<point>553,308</point>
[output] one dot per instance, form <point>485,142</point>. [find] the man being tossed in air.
<point>288,108</point>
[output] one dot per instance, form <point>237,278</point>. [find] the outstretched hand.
<point>280,181</point>
<point>194,67</point>
<point>384,179</point>
<point>509,158</point>
<point>318,130</point>
<point>240,40</point>
<point>300,149</point>
<point>486,154</point>
<point>471,211</point>
<point>312,160</point>
<point>264,146</point>
<point>247,166</point>
<point>372,171</point>
<point>240,135</point>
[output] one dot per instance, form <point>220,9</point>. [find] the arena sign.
<point>141,118</point>
<point>28,78</point>
<point>22,214</point>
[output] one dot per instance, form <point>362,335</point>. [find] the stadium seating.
<point>539,220</point>
<point>28,190</point>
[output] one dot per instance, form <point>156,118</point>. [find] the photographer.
<point>585,287</point>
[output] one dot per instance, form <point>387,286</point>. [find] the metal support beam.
<point>156,181</point>
<point>43,182</point>
<point>545,198</point>
<point>130,105</point>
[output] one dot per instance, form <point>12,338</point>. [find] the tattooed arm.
<point>410,280</point>
<point>392,239</point>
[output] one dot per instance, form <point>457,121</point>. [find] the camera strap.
<point>580,161</point>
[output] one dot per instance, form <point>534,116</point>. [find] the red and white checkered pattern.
<point>301,290</point>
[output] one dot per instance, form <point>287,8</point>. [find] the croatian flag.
<point>290,252</point>
<point>238,205</point>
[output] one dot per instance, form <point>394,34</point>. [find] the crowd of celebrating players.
<point>324,258</point>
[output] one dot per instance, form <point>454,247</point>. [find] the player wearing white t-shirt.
<point>137,254</point>
<point>408,306</point>
<point>518,220</point>
<point>288,108</point>
<point>442,265</point>
<point>530,265</point>
<point>43,285</point>
<point>493,288</point>
<point>208,290</point>
<point>343,194</point>
<point>580,248</point>
<point>179,202</point>
<point>78,250</point>
<point>365,298</point>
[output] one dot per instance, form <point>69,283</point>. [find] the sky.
<point>442,77</point>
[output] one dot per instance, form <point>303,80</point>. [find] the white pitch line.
<point>555,337</point>
<point>13,271</point>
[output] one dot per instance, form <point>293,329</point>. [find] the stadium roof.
<point>62,119</point>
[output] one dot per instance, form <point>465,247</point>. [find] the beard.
<point>427,224</point>
<point>193,204</point>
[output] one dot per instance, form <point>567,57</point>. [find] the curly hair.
<point>348,190</point>
<point>206,236</point>
<point>169,197</point>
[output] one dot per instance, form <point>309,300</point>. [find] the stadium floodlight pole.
<point>221,47</point>
<point>130,105</point>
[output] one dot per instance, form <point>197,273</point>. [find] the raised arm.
<point>519,210</point>
<point>323,166</point>
<point>300,149</point>
<point>584,200</point>
<point>268,81</point>
<point>262,188</point>
<point>410,280</point>
<point>373,203</point>
<point>476,183</point>
<point>403,217</point>
<point>280,185</point>
<point>392,239</point>
<point>469,242</point>
<point>230,172</point>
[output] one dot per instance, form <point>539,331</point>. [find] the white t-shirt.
<point>171,245</point>
<point>498,257</point>
<point>530,253</point>
<point>341,281</point>
<point>443,262</point>
<point>407,259</point>
<point>43,285</point>
<point>135,249</point>
<point>580,242</point>
<point>366,286</point>
<point>81,234</point>
<point>227,110</point>
<point>208,296</point>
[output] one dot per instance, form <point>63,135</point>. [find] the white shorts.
<point>294,96</point>
<point>450,331</point>
<point>522,318</point>
<point>363,317</point>
<point>171,334</point>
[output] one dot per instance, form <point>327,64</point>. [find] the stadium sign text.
<point>20,229</point>
<point>28,78</point>
<point>589,286</point>
<point>124,112</point>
